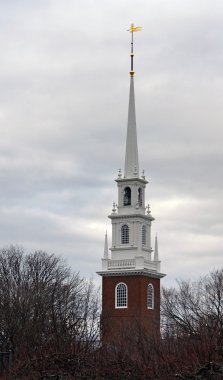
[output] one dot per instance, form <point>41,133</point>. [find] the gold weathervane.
<point>132,30</point>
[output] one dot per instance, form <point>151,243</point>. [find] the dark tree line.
<point>43,306</point>
<point>50,319</point>
<point>194,308</point>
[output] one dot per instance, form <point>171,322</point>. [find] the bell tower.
<point>131,273</point>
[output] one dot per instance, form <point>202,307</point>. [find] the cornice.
<point>131,216</point>
<point>133,272</point>
<point>134,179</point>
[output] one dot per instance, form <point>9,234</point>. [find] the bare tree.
<point>43,306</point>
<point>195,310</point>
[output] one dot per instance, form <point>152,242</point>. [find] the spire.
<point>106,247</point>
<point>156,253</point>
<point>131,154</point>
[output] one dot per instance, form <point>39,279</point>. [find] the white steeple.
<point>131,251</point>
<point>131,154</point>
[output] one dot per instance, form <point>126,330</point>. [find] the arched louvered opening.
<point>125,234</point>
<point>127,196</point>
<point>121,296</point>
<point>150,296</point>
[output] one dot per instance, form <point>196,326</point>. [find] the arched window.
<point>140,196</point>
<point>143,235</point>
<point>125,234</point>
<point>150,296</point>
<point>121,296</point>
<point>127,196</point>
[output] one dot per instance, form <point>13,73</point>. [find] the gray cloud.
<point>63,112</point>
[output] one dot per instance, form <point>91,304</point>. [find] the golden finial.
<point>133,29</point>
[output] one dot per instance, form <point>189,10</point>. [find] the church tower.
<point>131,273</point>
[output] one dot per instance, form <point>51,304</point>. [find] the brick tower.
<point>131,274</point>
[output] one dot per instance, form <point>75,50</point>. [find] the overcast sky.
<point>64,86</point>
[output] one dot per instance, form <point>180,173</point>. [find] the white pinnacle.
<point>106,247</point>
<point>156,253</point>
<point>131,154</point>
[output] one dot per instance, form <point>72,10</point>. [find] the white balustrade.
<point>132,264</point>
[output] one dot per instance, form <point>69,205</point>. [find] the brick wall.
<point>114,321</point>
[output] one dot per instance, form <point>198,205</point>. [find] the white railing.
<point>130,263</point>
<point>137,263</point>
